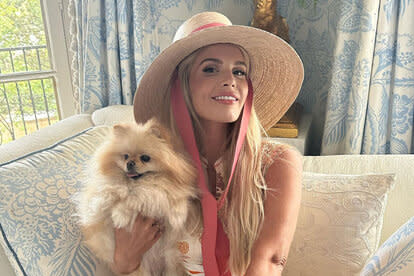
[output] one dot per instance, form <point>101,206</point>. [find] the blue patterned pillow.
<point>396,255</point>
<point>39,233</point>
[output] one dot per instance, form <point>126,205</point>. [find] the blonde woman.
<point>218,86</point>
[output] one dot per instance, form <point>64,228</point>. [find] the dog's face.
<point>136,166</point>
<point>135,151</point>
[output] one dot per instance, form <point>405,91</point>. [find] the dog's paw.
<point>122,216</point>
<point>120,222</point>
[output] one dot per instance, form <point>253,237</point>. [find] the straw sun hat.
<point>276,70</point>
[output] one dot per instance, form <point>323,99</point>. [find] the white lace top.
<point>190,246</point>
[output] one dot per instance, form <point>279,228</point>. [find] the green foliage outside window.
<point>21,25</point>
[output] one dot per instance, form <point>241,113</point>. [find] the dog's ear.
<point>154,126</point>
<point>119,129</point>
<point>158,129</point>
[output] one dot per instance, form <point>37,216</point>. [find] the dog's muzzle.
<point>131,170</point>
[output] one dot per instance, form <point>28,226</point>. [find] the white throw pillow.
<point>339,225</point>
<point>39,234</point>
<point>113,114</point>
<point>395,257</point>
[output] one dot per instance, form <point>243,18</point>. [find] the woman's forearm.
<point>281,210</point>
<point>120,267</point>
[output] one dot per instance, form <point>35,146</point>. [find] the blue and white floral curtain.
<point>116,40</point>
<point>358,58</point>
<point>359,72</point>
<point>370,105</point>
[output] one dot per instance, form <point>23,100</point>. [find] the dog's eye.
<point>145,158</point>
<point>126,156</point>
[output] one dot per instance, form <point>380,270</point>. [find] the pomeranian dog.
<point>136,171</point>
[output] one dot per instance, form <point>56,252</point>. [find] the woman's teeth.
<point>227,98</point>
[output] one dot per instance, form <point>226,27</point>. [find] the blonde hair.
<point>244,210</point>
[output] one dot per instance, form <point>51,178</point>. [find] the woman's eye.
<point>209,69</point>
<point>126,156</point>
<point>239,73</point>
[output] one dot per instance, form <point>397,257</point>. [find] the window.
<point>35,83</point>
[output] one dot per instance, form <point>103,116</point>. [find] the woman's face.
<point>218,83</point>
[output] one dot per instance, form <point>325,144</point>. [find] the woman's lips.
<point>225,99</point>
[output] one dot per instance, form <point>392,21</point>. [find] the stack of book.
<point>288,125</point>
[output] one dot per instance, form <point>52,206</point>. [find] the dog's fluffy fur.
<point>138,171</point>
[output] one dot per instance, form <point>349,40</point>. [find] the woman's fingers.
<point>131,245</point>
<point>157,236</point>
<point>147,226</point>
<point>146,223</point>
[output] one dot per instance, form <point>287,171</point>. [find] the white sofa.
<point>343,219</point>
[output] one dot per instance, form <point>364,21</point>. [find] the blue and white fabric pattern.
<point>39,233</point>
<point>359,72</point>
<point>358,57</point>
<point>114,42</point>
<point>395,256</point>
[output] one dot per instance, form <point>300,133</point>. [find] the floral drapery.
<point>114,41</point>
<point>358,57</point>
<point>359,72</point>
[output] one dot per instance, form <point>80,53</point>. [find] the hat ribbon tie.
<point>208,202</point>
<point>215,245</point>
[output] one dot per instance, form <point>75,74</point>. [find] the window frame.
<point>56,26</point>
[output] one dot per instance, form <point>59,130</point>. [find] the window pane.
<point>22,37</point>
<point>27,103</point>
<point>26,106</point>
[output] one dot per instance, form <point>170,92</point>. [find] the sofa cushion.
<point>396,255</point>
<point>40,237</point>
<point>44,137</point>
<point>339,223</point>
<point>113,114</point>
<point>39,233</point>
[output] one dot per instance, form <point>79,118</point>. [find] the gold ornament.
<point>267,18</point>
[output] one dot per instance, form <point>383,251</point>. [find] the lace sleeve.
<point>272,151</point>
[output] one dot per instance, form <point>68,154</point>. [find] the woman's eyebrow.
<point>241,63</point>
<point>221,62</point>
<point>211,59</point>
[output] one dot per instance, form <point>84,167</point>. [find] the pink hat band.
<point>208,26</point>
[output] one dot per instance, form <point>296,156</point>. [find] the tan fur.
<point>166,191</point>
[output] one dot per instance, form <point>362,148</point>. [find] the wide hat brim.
<point>276,71</point>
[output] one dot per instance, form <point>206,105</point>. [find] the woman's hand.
<point>260,267</point>
<point>131,246</point>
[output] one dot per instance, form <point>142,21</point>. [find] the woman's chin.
<point>221,119</point>
<point>220,116</point>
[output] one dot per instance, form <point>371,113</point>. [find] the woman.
<point>203,87</point>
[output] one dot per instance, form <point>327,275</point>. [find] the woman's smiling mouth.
<point>225,99</point>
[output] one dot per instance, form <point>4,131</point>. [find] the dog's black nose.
<point>130,165</point>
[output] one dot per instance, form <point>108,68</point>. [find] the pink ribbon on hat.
<point>214,24</point>
<point>215,245</point>
<point>214,242</point>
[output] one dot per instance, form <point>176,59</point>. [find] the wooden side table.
<point>300,142</point>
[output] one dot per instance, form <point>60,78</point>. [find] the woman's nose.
<point>228,79</point>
